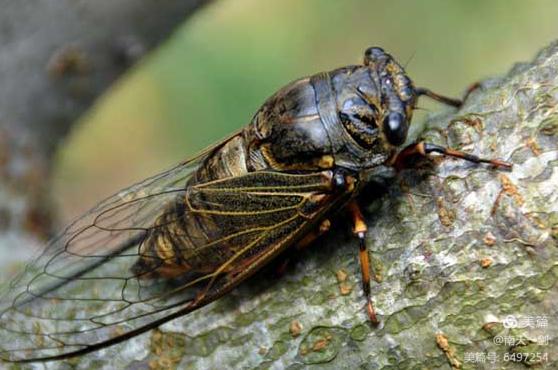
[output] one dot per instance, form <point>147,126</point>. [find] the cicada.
<point>180,240</point>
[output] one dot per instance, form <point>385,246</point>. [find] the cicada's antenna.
<point>406,64</point>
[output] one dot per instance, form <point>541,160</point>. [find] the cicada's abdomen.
<point>179,242</point>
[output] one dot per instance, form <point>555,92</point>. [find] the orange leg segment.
<point>422,149</point>
<point>359,229</point>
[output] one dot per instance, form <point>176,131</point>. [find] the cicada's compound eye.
<point>373,54</point>
<point>358,118</point>
<point>395,128</point>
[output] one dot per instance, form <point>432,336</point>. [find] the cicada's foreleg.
<point>359,230</point>
<point>427,148</point>
<point>423,149</point>
<point>458,103</point>
<point>440,98</point>
<point>473,87</point>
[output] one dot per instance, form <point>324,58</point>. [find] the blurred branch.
<point>57,57</point>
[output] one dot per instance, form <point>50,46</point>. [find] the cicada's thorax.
<point>332,119</point>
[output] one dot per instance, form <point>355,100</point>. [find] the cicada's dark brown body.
<point>180,240</point>
<point>332,120</point>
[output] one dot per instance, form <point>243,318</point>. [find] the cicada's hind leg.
<point>359,230</point>
<point>423,149</point>
<point>313,235</point>
<point>286,259</point>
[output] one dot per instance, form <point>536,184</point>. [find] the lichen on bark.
<point>459,251</point>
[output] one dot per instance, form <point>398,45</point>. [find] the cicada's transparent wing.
<point>83,274</point>
<point>102,280</point>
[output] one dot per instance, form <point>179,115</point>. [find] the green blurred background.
<point>212,75</point>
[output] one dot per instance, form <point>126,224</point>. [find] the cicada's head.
<point>375,105</point>
<point>395,99</point>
